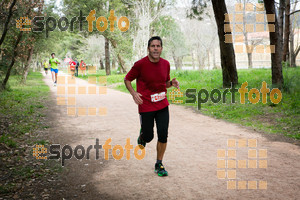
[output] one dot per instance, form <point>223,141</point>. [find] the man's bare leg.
<point>159,168</point>
<point>161,148</point>
<point>53,76</point>
<point>56,77</point>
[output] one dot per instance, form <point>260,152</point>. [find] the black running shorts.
<point>161,118</point>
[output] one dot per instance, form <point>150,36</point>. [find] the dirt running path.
<point>191,156</point>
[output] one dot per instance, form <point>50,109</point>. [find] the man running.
<point>46,65</point>
<point>82,67</point>
<point>72,68</point>
<point>77,65</point>
<point>153,78</point>
<point>54,69</point>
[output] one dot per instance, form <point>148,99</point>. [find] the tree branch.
<point>293,12</point>
<point>7,21</point>
<point>297,51</point>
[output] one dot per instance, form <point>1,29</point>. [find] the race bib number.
<point>158,96</point>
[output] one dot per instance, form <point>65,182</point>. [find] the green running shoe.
<point>140,141</point>
<point>160,170</point>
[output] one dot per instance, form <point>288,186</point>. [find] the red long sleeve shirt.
<point>151,79</point>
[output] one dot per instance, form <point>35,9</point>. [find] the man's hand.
<point>136,97</point>
<point>175,83</point>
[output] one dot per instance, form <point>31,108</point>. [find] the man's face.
<point>155,49</point>
<point>52,55</point>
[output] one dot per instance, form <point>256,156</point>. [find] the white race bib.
<point>158,96</point>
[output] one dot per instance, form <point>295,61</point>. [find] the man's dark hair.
<point>154,38</point>
<point>52,54</point>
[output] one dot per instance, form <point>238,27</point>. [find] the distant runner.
<point>54,69</point>
<point>46,66</point>
<point>72,68</point>
<point>152,75</point>
<point>82,67</point>
<point>76,68</point>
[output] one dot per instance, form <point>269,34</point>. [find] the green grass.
<point>282,118</point>
<point>8,141</point>
<point>22,108</point>
<point>20,105</point>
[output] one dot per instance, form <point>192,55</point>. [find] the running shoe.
<point>140,141</point>
<point>160,170</point>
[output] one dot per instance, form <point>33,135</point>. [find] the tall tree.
<point>276,58</point>
<point>102,8</point>
<point>147,11</point>
<point>10,13</point>
<point>27,64</point>
<point>14,55</point>
<point>107,59</point>
<point>249,41</point>
<point>293,51</point>
<point>281,19</point>
<point>286,31</point>
<point>174,41</point>
<point>228,64</point>
<point>24,8</point>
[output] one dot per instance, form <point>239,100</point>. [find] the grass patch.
<point>282,118</point>
<point>20,106</point>
<point>8,141</point>
<point>22,114</point>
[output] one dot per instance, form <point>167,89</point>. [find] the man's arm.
<point>135,95</point>
<point>173,82</point>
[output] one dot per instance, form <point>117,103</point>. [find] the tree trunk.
<point>292,53</point>
<point>1,54</point>
<point>286,31</point>
<point>120,59</point>
<point>276,58</point>
<point>179,59</point>
<point>101,64</point>
<point>214,58</point>
<point>199,61</point>
<point>295,56</point>
<point>10,13</point>
<point>3,85</point>
<point>107,59</point>
<point>193,60</point>
<point>122,63</point>
<point>226,49</point>
<point>245,33</point>
<point>175,62</point>
<point>26,67</point>
<point>208,59</point>
<point>250,66</point>
<point>280,20</point>
<point>113,63</point>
